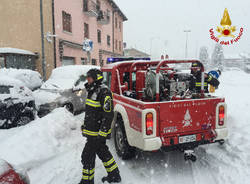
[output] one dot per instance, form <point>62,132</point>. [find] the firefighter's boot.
<point>86,182</point>
<point>113,177</point>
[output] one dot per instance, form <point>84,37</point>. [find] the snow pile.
<point>4,167</point>
<point>18,91</point>
<point>39,140</point>
<point>31,79</point>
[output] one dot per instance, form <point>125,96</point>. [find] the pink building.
<point>98,20</point>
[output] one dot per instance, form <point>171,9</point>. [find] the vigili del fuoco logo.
<point>226,33</point>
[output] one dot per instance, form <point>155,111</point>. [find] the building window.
<point>99,36</point>
<point>85,5</point>
<point>84,61</point>
<point>120,46</point>
<point>116,22</point>
<point>116,44</point>
<point>98,5</point>
<point>108,40</point>
<point>67,22</point>
<point>93,61</point>
<point>86,30</point>
<point>68,61</point>
<point>120,26</point>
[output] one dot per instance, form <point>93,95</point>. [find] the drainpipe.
<point>54,32</point>
<point>113,31</point>
<point>42,41</point>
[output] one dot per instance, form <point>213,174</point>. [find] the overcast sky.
<point>162,22</point>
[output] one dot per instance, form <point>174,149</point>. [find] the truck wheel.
<point>123,149</point>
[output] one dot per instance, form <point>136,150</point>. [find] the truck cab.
<point>156,110</point>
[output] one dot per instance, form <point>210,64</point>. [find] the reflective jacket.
<point>99,112</point>
<point>195,84</point>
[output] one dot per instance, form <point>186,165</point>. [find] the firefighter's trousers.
<point>92,147</point>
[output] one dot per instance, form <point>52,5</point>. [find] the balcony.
<point>103,17</point>
<point>90,8</point>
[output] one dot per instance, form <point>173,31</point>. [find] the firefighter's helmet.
<point>95,74</point>
<point>196,67</point>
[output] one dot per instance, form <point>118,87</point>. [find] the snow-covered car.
<point>64,88</point>
<point>30,78</point>
<point>11,175</point>
<point>17,105</point>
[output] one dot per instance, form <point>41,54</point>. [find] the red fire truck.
<point>156,110</point>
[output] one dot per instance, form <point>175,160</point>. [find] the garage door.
<point>68,61</point>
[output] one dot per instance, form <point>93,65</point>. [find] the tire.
<point>69,107</point>
<point>23,120</point>
<point>123,149</point>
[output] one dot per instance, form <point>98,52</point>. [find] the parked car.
<point>17,105</point>
<point>64,88</point>
<point>30,78</point>
<point>11,175</point>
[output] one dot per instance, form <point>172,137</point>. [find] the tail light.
<point>221,115</point>
<point>149,123</point>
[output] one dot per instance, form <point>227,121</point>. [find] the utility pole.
<point>42,41</point>
<point>186,50</point>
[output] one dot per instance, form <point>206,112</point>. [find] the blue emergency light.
<point>113,60</point>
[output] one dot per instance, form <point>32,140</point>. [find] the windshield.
<point>5,89</point>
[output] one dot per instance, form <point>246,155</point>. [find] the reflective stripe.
<point>107,104</point>
<point>91,176</point>
<point>86,171</point>
<point>199,84</point>
<point>109,162</point>
<point>209,78</point>
<point>104,134</point>
<point>93,103</point>
<point>91,133</point>
<point>99,76</point>
<point>112,168</point>
<point>85,177</point>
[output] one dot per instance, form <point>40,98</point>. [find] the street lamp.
<point>186,31</point>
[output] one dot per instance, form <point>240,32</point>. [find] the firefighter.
<point>195,84</point>
<point>97,128</point>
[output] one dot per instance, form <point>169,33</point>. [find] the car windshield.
<point>5,89</point>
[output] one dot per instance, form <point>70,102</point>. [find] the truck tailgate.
<point>189,116</point>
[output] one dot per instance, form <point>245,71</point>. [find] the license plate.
<point>187,138</point>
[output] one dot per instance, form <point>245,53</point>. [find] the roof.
<point>134,52</point>
<point>116,7</point>
<point>9,50</point>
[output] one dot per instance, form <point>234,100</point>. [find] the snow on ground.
<point>50,148</point>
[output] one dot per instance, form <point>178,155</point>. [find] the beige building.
<point>21,28</point>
